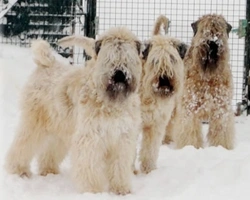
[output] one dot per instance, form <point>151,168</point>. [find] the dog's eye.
<point>155,62</point>
<point>172,59</point>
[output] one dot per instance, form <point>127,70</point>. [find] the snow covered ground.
<point>209,173</point>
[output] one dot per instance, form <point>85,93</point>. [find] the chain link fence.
<point>23,20</point>
<point>140,15</point>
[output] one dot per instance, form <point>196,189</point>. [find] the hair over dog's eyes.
<point>194,26</point>
<point>98,45</point>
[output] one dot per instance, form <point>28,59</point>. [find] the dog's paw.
<point>147,167</point>
<point>167,140</point>
<point>45,172</point>
<point>135,171</point>
<point>26,174</point>
<point>120,190</point>
<point>20,171</point>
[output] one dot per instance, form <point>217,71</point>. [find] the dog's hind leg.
<point>222,131</point>
<point>51,156</point>
<point>190,133</point>
<point>28,140</point>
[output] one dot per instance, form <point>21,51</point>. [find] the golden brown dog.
<point>208,88</point>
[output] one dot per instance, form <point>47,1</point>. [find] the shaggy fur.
<point>78,40</point>
<point>98,103</point>
<point>160,91</point>
<point>208,86</point>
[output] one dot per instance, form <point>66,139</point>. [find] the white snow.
<point>209,173</point>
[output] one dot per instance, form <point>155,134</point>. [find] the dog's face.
<point>163,68</point>
<point>210,40</point>
<point>118,63</point>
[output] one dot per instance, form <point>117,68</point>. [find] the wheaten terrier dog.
<point>99,103</point>
<point>208,88</point>
<point>160,92</point>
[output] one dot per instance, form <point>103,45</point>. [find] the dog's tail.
<point>161,20</point>
<point>81,41</point>
<point>43,54</point>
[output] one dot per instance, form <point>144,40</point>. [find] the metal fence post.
<point>89,23</point>
<point>90,19</point>
<point>247,58</point>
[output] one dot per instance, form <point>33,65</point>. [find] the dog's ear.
<point>98,45</point>
<point>229,28</point>
<point>146,49</point>
<point>138,46</point>
<point>182,49</point>
<point>194,26</point>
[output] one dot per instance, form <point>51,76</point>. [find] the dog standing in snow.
<point>161,90</point>
<point>208,88</point>
<point>97,106</point>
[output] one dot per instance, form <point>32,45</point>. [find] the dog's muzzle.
<point>120,77</point>
<point>211,49</point>
<point>119,83</point>
<point>163,86</point>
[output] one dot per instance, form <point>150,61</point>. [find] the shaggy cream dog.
<point>99,103</point>
<point>161,90</point>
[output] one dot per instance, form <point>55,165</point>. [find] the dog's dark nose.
<point>119,77</point>
<point>164,86</point>
<point>164,82</point>
<point>213,49</point>
<point>120,85</point>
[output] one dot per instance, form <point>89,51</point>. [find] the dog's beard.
<point>209,53</point>
<point>120,84</point>
<point>163,86</point>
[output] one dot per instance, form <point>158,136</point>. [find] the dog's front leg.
<point>189,132</point>
<point>88,162</point>
<point>221,128</point>
<point>151,142</point>
<point>119,164</point>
